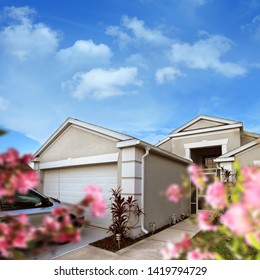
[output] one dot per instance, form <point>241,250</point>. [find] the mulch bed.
<point>110,244</point>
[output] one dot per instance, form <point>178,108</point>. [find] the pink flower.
<point>173,251</point>
<point>216,195</point>
<point>204,221</point>
<point>252,186</point>
<point>185,242</point>
<point>173,193</point>
<point>197,254</point>
<point>20,240</point>
<point>237,219</point>
<point>98,208</point>
<point>25,180</point>
<point>251,173</point>
<point>170,251</point>
<point>95,200</point>
<point>197,176</point>
<point>10,158</point>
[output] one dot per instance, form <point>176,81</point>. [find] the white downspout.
<point>142,190</point>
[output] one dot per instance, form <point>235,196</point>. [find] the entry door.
<point>201,205</point>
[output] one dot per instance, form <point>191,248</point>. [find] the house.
<point>213,143</point>
<point>79,153</point>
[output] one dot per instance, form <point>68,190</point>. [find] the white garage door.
<point>67,184</point>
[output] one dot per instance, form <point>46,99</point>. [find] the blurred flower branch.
<point>233,212</point>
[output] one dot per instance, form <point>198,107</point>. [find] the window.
<point>208,161</point>
<point>22,201</point>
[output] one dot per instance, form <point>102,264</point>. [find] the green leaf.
<point>255,243</point>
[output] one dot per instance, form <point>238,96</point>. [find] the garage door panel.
<point>68,185</point>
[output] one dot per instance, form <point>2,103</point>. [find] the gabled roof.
<point>97,129</point>
<point>202,124</point>
<point>239,150</point>
<point>213,124</point>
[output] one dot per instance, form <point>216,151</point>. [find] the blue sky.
<point>141,67</point>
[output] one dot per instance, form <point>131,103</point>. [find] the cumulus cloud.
<point>138,32</point>
<point>33,66</point>
<point>23,39</point>
<point>167,74</point>
<point>85,52</point>
<point>206,54</point>
<point>102,83</point>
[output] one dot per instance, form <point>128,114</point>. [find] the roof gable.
<point>239,150</point>
<point>83,125</point>
<point>204,122</point>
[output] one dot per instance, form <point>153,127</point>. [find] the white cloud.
<point>85,52</point>
<point>102,83</point>
<point>122,36</point>
<point>3,104</point>
<point>23,14</point>
<point>138,32</point>
<point>25,39</point>
<point>167,74</point>
<point>206,54</point>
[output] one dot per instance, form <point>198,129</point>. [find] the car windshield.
<point>24,201</point>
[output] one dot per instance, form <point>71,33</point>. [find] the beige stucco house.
<point>80,153</point>
<point>213,143</point>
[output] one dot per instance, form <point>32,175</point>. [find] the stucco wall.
<point>203,124</point>
<point>177,144</point>
<point>75,142</point>
<point>249,156</point>
<point>160,172</point>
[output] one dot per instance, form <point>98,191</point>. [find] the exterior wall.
<point>160,172</point>
<point>202,124</point>
<point>246,139</point>
<point>76,142</point>
<point>177,146</point>
<point>131,179</point>
<point>249,156</point>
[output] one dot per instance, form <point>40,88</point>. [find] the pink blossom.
<point>98,208</point>
<point>95,200</point>
<point>10,158</point>
<point>173,193</point>
<point>20,239</point>
<point>197,175</point>
<point>23,219</point>
<point>216,195</point>
<point>185,242</point>
<point>237,219</point>
<point>251,173</point>
<point>25,180</point>
<point>50,224</point>
<point>205,222</point>
<point>170,251</point>
<point>197,254</point>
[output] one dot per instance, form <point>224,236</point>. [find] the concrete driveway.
<point>88,234</point>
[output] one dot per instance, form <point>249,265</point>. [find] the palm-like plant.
<point>121,208</point>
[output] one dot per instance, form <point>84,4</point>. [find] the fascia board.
<point>70,121</point>
<point>241,149</point>
<point>203,117</point>
<point>227,159</point>
<point>142,144</point>
<point>206,130</point>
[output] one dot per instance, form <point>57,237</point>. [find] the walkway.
<point>146,249</point>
